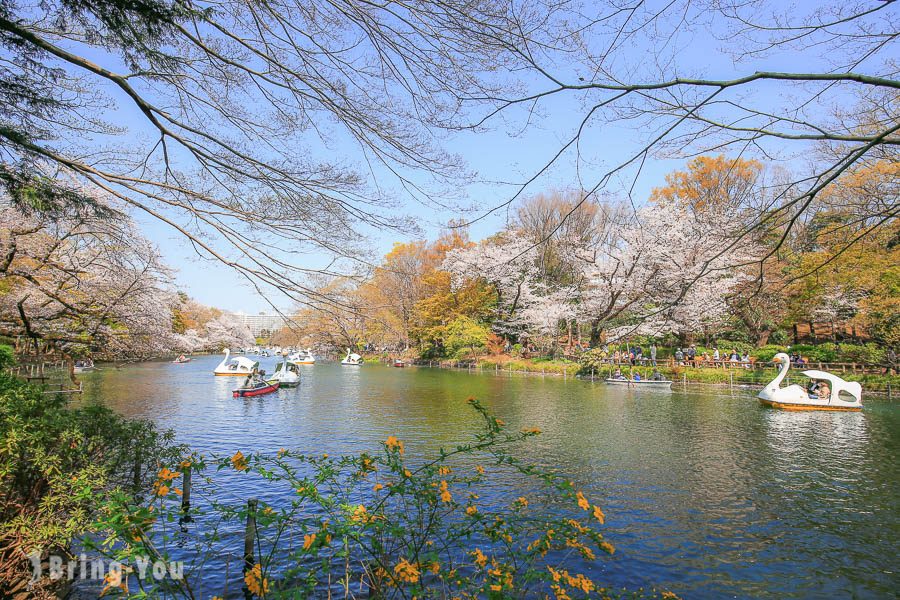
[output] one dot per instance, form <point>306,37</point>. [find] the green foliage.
<point>464,335</point>
<point>433,527</point>
<point>828,353</point>
<point>55,462</point>
<point>7,358</point>
<point>767,353</point>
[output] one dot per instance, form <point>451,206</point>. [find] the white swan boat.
<point>352,359</point>
<point>303,357</point>
<point>795,397</point>
<point>287,374</point>
<point>237,366</point>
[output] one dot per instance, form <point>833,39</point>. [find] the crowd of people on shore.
<point>683,356</point>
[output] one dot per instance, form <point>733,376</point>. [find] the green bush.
<point>7,358</point>
<point>55,462</point>
<point>465,337</point>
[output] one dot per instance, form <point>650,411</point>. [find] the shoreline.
<point>888,391</point>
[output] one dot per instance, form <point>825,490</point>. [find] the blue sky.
<point>504,153</point>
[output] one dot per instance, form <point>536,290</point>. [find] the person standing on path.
<point>653,354</point>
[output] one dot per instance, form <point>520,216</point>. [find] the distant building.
<point>260,325</point>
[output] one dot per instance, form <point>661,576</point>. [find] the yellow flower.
<point>496,587</point>
<point>434,567</point>
<point>479,558</point>
<point>608,548</point>
<point>238,461</point>
<point>185,464</point>
<point>167,475</point>
<point>360,516</point>
<point>471,510</point>
<point>598,514</point>
<point>393,443</point>
<point>521,502</point>
<point>582,501</point>
<point>407,473</point>
<point>178,492</point>
<point>308,541</point>
<point>162,491</point>
<point>444,471</point>
<point>445,492</point>
<point>256,583</point>
<point>480,469</point>
<point>377,487</point>
<point>532,431</point>
<point>405,571</point>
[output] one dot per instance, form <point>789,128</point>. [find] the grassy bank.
<point>886,384</point>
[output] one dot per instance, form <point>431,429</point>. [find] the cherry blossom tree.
<point>83,279</point>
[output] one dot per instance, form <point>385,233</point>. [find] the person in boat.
<point>618,374</point>
<point>657,376</point>
<point>813,389</point>
<point>637,376</point>
<point>254,379</point>
<point>824,391</point>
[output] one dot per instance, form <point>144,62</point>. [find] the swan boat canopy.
<point>239,365</point>
<point>352,359</point>
<point>795,397</point>
<point>303,357</point>
<point>287,374</point>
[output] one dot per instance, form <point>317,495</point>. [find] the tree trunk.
<point>596,333</point>
<point>762,337</point>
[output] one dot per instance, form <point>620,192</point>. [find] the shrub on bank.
<point>827,353</point>
<point>55,463</point>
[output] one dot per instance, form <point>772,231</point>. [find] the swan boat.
<point>303,357</point>
<point>287,374</point>
<point>352,359</point>
<point>795,397</point>
<point>237,366</point>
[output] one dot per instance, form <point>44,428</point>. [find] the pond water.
<point>707,493</point>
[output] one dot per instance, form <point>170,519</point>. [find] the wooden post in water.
<point>186,492</point>
<point>684,379</point>
<point>731,379</point>
<point>249,539</point>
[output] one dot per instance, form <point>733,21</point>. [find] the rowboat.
<point>84,365</point>
<point>661,383</point>
<point>399,363</point>
<point>257,389</point>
